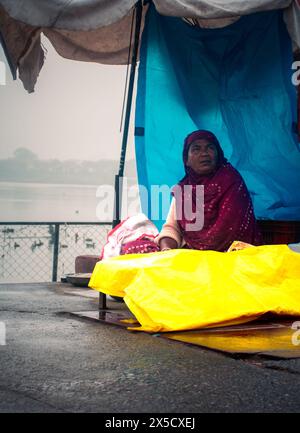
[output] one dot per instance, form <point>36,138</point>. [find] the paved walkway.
<point>53,362</point>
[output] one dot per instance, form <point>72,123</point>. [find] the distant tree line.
<point>25,166</point>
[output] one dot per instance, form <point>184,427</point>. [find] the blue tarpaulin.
<point>234,81</point>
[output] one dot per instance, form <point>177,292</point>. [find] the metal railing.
<point>45,251</point>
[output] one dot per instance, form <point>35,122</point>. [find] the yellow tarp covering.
<point>187,289</point>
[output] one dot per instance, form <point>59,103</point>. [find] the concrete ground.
<point>53,362</point>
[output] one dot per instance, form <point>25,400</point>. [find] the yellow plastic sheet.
<point>187,289</point>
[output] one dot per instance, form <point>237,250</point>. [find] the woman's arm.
<point>170,236</point>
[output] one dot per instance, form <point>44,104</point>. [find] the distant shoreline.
<point>26,168</point>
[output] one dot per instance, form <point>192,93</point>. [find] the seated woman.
<point>228,211</point>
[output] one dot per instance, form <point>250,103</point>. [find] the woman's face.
<point>202,157</point>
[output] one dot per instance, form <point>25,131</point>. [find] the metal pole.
<point>119,176</point>
<point>117,204</point>
<point>55,253</point>
<point>102,301</point>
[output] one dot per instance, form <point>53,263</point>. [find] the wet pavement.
<point>55,362</point>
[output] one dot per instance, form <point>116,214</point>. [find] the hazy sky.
<point>74,112</point>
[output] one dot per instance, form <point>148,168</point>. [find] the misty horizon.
<point>11,156</point>
<point>25,166</point>
<point>74,113</point>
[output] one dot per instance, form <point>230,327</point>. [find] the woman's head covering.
<point>202,134</point>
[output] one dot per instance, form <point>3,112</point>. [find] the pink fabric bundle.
<point>140,246</point>
<point>133,235</point>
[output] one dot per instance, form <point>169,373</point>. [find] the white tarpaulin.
<point>92,14</point>
<point>208,9</point>
<point>66,14</point>
<point>99,30</point>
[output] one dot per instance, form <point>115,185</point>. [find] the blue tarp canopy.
<point>234,81</point>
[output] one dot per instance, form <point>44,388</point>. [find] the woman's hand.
<point>167,244</point>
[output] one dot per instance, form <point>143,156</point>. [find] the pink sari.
<point>228,210</point>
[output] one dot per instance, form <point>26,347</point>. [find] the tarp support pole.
<point>119,177</point>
